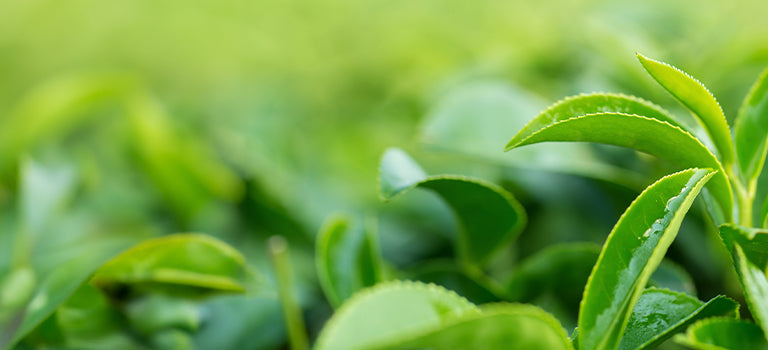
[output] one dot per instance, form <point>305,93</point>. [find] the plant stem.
<point>297,335</point>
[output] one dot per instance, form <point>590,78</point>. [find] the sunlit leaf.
<point>659,314</point>
<point>631,253</point>
<point>643,134</point>
<point>723,334</point>
<point>488,215</point>
<point>693,95</point>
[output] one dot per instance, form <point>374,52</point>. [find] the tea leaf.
<point>723,334</point>
<point>749,248</point>
<point>390,310</point>
<point>643,134</point>
<point>694,96</point>
<point>495,327</point>
<point>751,129</point>
<point>489,216</point>
<point>198,262</point>
<point>659,314</point>
<point>477,288</point>
<point>632,251</point>
<point>347,259</point>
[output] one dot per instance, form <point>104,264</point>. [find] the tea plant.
<point>620,307</point>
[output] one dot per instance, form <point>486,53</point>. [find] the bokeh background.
<point>247,119</point>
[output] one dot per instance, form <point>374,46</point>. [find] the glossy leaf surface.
<point>495,327</point>
<point>659,314</point>
<point>723,334</point>
<point>196,261</point>
<point>643,134</point>
<point>388,311</point>
<point>488,215</point>
<point>694,96</point>
<point>749,248</point>
<point>347,259</point>
<point>631,253</point>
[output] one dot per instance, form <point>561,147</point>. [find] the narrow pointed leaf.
<point>347,259</point>
<point>659,314</point>
<point>749,248</point>
<point>643,134</point>
<point>389,311</point>
<point>198,262</point>
<point>694,96</point>
<point>723,334</point>
<point>489,216</point>
<point>751,129</point>
<point>631,253</point>
<point>496,327</point>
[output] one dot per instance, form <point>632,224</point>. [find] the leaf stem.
<point>297,334</point>
<point>745,197</point>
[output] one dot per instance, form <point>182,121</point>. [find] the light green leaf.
<point>488,215</point>
<point>749,248</point>
<point>631,253</point>
<point>347,258</point>
<point>230,322</point>
<point>195,262</point>
<point>659,314</point>
<point>723,334</point>
<point>496,327</point>
<point>694,96</point>
<point>751,130</point>
<point>643,134</point>
<point>388,311</point>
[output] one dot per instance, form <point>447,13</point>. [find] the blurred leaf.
<point>477,289</point>
<point>643,134</point>
<point>390,311</point>
<point>723,334</point>
<point>694,96</point>
<point>751,130</point>
<point>347,258</point>
<point>631,253</point>
<point>671,276</point>
<point>44,189</point>
<point>156,312</point>
<point>195,262</point>
<point>488,215</point>
<point>659,314</point>
<point>235,322</point>
<point>495,327</point>
<point>749,248</point>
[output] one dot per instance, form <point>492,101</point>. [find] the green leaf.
<point>643,134</point>
<point>496,327</point>
<point>180,263</point>
<point>554,279</point>
<point>489,216</point>
<point>477,288</point>
<point>751,130</point>
<point>230,322</point>
<point>749,248</point>
<point>347,259</point>
<point>671,276</point>
<point>723,334</point>
<point>387,311</point>
<point>631,253</point>
<point>659,314</point>
<point>694,96</point>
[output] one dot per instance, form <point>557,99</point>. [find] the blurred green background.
<point>246,119</point>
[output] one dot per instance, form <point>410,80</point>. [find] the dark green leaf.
<point>751,130</point>
<point>631,253</point>
<point>673,277</point>
<point>477,288</point>
<point>659,314</point>
<point>694,96</point>
<point>347,258</point>
<point>644,134</point>
<point>488,215</point>
<point>723,334</point>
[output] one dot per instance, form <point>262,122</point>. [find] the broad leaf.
<point>179,263</point>
<point>751,130</point>
<point>347,259</point>
<point>723,334</point>
<point>496,327</point>
<point>488,215</point>
<point>694,96</point>
<point>631,253</point>
<point>659,314</point>
<point>388,311</point>
<point>643,134</point>
<point>749,248</point>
